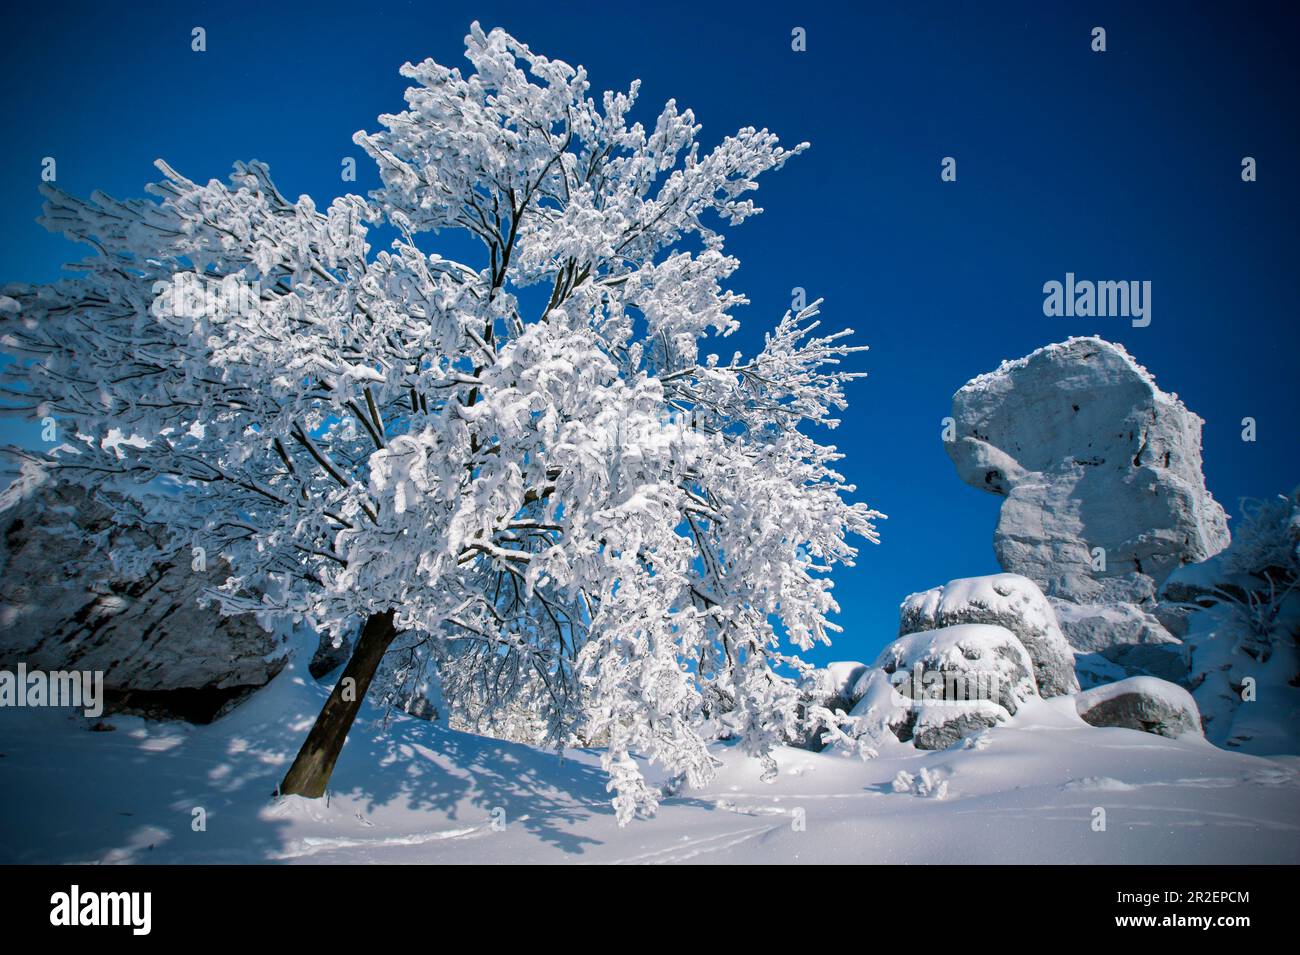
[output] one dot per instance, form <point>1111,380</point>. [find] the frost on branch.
<point>572,507</point>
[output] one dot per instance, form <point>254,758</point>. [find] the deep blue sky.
<point>1122,165</point>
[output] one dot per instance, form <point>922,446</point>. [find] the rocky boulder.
<point>960,663</point>
<point>835,686</point>
<point>925,721</point>
<point>1003,600</point>
<point>936,687</point>
<point>881,711</point>
<point>63,606</point>
<point>1141,703</point>
<point>940,726</point>
<point>1127,635</point>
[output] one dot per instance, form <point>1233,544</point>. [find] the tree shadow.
<point>131,795</point>
<point>431,768</point>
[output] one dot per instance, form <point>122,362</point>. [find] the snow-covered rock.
<point>1126,635</point>
<point>64,606</point>
<point>938,726</point>
<point>834,686</point>
<point>841,678</point>
<point>1143,703</point>
<point>331,653</point>
<point>1089,454</point>
<point>934,688</point>
<point>963,662</point>
<point>1003,600</point>
<point>1203,581</point>
<point>1101,471</point>
<point>883,713</point>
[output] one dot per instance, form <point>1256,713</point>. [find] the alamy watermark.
<point>1087,299</point>
<point>75,907</point>
<point>80,689</point>
<point>190,295</point>
<point>945,687</point>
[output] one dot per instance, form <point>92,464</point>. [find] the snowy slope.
<point>1022,792</point>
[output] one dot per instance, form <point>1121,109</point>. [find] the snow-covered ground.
<point>416,792</point>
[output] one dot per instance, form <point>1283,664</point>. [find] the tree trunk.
<point>310,772</point>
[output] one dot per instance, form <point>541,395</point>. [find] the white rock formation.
<point>938,726</point>
<point>1003,600</point>
<point>1101,471</point>
<point>1130,636</point>
<point>833,686</point>
<point>1090,454</point>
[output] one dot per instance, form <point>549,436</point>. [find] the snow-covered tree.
<point>533,461</point>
